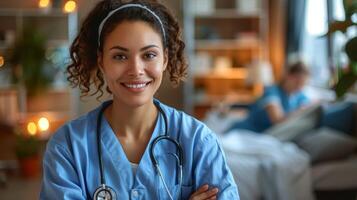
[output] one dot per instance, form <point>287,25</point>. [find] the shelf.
<point>33,12</point>
<point>241,98</point>
<point>225,38</point>
<point>51,44</point>
<point>227,74</point>
<point>228,44</point>
<point>227,13</point>
<point>222,82</point>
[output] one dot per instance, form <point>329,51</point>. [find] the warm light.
<point>43,124</point>
<point>31,128</point>
<point>43,3</point>
<point>70,6</point>
<point>2,61</point>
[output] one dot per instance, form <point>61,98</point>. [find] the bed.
<point>273,166</point>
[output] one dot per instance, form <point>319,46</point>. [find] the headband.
<point>129,6</point>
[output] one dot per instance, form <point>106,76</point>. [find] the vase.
<point>30,166</point>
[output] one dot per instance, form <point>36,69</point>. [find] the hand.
<point>204,193</point>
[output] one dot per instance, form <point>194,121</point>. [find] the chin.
<point>136,101</point>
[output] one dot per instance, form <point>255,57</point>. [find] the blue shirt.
<point>71,168</point>
<point>258,119</point>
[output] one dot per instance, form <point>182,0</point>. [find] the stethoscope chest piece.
<point>104,192</point>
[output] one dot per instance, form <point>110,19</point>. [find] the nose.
<point>136,67</point>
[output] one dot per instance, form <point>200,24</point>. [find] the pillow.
<point>297,124</point>
<point>325,144</point>
<point>339,116</point>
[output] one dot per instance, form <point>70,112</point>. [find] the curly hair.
<point>84,71</point>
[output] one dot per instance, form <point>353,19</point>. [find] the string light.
<point>43,124</point>
<point>69,6</point>
<point>43,3</point>
<point>32,128</point>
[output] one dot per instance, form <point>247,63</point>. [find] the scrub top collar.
<point>116,152</point>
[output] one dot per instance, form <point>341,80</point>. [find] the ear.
<point>166,59</point>
<point>100,61</point>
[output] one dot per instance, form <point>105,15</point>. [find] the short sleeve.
<point>270,96</point>
<point>211,168</point>
<point>303,100</point>
<point>60,180</point>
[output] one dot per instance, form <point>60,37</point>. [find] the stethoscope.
<point>105,192</point>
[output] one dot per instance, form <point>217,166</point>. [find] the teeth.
<point>135,85</point>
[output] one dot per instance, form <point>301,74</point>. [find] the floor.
<point>12,184</point>
<point>20,188</point>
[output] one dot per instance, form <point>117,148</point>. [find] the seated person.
<point>278,101</point>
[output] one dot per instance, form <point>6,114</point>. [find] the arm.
<point>271,103</point>
<point>275,113</point>
<point>211,168</point>
<point>60,180</point>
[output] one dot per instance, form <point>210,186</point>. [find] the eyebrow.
<point>142,49</point>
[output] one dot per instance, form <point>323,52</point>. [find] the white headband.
<point>129,6</point>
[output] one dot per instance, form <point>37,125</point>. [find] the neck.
<point>286,87</point>
<point>133,122</point>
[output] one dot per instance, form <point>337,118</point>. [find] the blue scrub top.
<point>258,119</point>
<point>71,166</point>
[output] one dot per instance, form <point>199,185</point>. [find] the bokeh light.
<point>43,124</point>
<point>32,128</point>
<point>69,6</point>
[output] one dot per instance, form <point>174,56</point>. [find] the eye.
<point>119,57</point>
<point>149,56</point>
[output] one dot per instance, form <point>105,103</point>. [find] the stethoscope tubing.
<point>151,150</point>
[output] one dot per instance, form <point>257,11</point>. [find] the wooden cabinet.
<point>59,29</point>
<point>225,38</point>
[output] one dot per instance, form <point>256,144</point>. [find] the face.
<point>133,62</point>
<point>297,82</point>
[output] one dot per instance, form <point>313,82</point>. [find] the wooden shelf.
<point>234,44</point>
<point>205,103</point>
<point>32,12</point>
<point>221,83</point>
<point>224,35</point>
<point>227,13</point>
<point>227,74</point>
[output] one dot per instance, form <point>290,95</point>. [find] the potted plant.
<point>28,59</point>
<point>347,76</point>
<point>27,150</point>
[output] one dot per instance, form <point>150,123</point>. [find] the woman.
<point>133,147</point>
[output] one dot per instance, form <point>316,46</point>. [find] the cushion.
<point>297,124</point>
<point>325,144</point>
<point>339,116</point>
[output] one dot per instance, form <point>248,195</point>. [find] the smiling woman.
<point>133,63</point>
<point>133,146</point>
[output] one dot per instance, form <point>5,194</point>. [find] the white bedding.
<point>262,166</point>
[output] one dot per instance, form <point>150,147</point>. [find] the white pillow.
<point>297,124</point>
<point>326,144</point>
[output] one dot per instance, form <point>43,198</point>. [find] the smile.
<point>136,85</point>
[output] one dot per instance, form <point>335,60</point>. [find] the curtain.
<point>295,26</point>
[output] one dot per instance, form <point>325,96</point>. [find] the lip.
<point>135,86</point>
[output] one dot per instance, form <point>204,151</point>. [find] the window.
<point>315,46</point>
